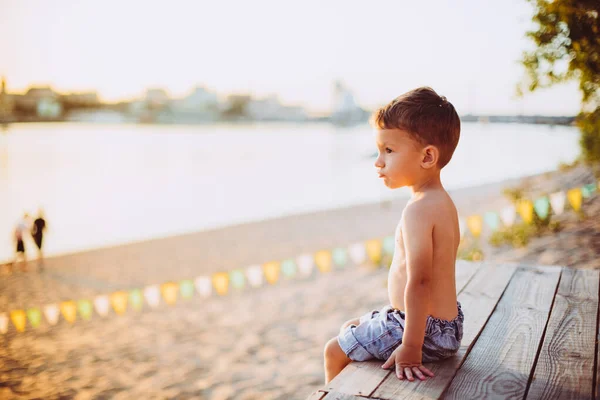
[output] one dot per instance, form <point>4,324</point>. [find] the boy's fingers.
<point>418,373</point>
<point>426,371</point>
<point>408,373</point>
<point>399,372</point>
<point>386,364</point>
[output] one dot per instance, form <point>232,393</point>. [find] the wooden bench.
<point>529,332</point>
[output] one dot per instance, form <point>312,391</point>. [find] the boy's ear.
<point>431,155</point>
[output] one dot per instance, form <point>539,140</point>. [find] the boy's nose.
<point>379,162</point>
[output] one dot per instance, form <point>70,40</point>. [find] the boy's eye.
<point>388,150</point>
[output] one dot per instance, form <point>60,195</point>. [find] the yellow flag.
<point>169,292</point>
<point>118,300</point>
<point>271,271</point>
<point>575,198</point>
<point>323,260</point>
<point>525,209</point>
<point>69,311</point>
<point>475,223</point>
<point>221,282</point>
<point>374,250</point>
<point>19,319</point>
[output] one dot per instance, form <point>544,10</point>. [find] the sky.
<point>467,50</point>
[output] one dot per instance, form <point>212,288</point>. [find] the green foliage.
<point>470,252</point>
<point>568,48</point>
<point>517,235</point>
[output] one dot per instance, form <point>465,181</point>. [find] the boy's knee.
<point>333,350</point>
<point>346,324</point>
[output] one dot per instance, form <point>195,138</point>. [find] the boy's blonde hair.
<point>429,118</point>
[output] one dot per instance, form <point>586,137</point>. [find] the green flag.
<point>35,317</point>
<point>237,278</point>
<point>136,299</point>
<point>388,244</point>
<point>588,190</point>
<point>85,309</point>
<point>492,219</point>
<point>186,288</point>
<point>340,256</point>
<point>288,268</point>
<point>542,206</point>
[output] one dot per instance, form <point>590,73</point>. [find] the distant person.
<point>416,135</point>
<point>37,232</point>
<point>21,228</point>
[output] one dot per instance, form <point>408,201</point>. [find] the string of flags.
<point>254,276</point>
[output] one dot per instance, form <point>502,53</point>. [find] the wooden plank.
<point>318,395</point>
<point>363,378</point>
<point>500,362</point>
<point>344,396</point>
<point>478,300</point>
<point>565,367</point>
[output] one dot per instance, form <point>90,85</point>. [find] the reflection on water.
<point>107,184</point>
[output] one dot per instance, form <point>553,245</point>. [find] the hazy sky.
<point>467,50</point>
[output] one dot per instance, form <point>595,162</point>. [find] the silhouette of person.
<point>20,229</point>
<point>37,232</point>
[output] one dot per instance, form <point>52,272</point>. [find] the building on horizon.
<point>7,104</point>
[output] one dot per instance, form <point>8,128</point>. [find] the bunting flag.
<point>34,315</point>
<point>557,200</point>
<point>221,283</point>
<point>462,227</point>
<point>475,224</point>
<point>306,264</point>
<point>288,268</point>
<point>203,286</point>
<point>186,288</point>
<point>68,309</point>
<point>340,257</point>
<point>136,299</point>
<point>118,300</point>
<point>374,250</point>
<point>18,319</point>
<point>51,313</point>
<point>525,209</point>
<point>85,308</point>
<point>169,292</point>
<point>271,271</point>
<point>542,207</point>
<point>389,245</point>
<point>588,190</point>
<point>152,295</point>
<point>358,253</point>
<point>323,260</point>
<point>508,216</point>
<point>3,323</point>
<point>492,219</point>
<point>237,279</point>
<point>254,275</point>
<point>102,305</point>
<point>574,196</point>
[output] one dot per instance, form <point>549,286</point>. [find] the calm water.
<point>106,184</point>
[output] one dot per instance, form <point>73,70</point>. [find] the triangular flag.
<point>389,244</point>
<point>525,209</point>
<point>558,202</point>
<point>102,305</point>
<point>221,282</point>
<point>169,292</point>
<point>118,300</point>
<point>3,323</point>
<point>374,250</point>
<point>340,256</point>
<point>237,279</point>
<point>152,295</point>
<point>136,299</point>
<point>306,264</point>
<point>588,190</point>
<point>69,310</point>
<point>323,260</point>
<point>462,226</point>
<point>203,285</point>
<point>254,275</point>
<point>271,271</point>
<point>358,253</point>
<point>542,207</point>
<point>492,220</point>
<point>51,313</point>
<point>85,309</point>
<point>475,224</point>
<point>18,319</point>
<point>508,215</point>
<point>186,288</point>
<point>288,268</point>
<point>34,315</point>
<point>574,196</point>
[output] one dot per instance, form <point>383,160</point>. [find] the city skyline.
<point>294,51</point>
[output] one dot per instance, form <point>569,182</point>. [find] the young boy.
<point>416,136</point>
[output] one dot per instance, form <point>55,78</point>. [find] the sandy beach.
<point>263,343</point>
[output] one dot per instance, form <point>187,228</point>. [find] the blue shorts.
<point>380,333</point>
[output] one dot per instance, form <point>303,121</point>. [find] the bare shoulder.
<point>429,208</point>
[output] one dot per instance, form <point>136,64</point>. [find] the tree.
<point>568,48</point>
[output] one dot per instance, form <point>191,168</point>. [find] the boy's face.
<point>399,159</point>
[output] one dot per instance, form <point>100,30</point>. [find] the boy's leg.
<point>355,321</point>
<point>335,359</point>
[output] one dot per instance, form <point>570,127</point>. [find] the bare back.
<point>446,237</point>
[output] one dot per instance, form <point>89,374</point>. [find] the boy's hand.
<point>407,361</point>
